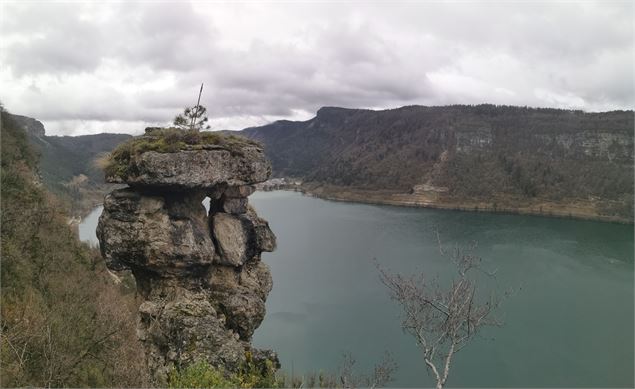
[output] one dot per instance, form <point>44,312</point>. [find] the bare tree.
<point>442,320</point>
<point>348,376</point>
<point>382,373</point>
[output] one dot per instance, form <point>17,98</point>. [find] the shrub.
<point>199,375</point>
<point>203,375</point>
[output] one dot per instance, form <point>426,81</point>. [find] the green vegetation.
<point>192,118</point>
<point>168,140</point>
<point>64,321</point>
<point>202,375</point>
<point>252,375</point>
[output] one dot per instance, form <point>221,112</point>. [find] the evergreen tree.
<point>192,118</point>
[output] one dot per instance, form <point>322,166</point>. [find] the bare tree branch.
<point>442,320</point>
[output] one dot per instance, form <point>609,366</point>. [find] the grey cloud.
<point>53,42</point>
<point>571,30</point>
<point>145,62</point>
<point>165,36</point>
<point>68,57</point>
<point>162,36</point>
<point>350,67</point>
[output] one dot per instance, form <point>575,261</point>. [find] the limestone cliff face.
<point>615,146</point>
<point>484,154</point>
<point>191,169</point>
<point>200,273</point>
<point>31,126</point>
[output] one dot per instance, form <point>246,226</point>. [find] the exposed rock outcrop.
<point>31,126</point>
<point>207,168</point>
<point>199,272</point>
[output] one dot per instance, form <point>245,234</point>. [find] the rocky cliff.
<point>199,272</point>
<point>31,126</point>
<point>484,155</point>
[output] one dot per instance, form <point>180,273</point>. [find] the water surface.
<point>568,324</point>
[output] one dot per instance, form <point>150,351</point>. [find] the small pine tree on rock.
<point>194,118</point>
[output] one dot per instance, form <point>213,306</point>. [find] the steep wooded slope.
<point>66,163</point>
<point>64,322</point>
<point>476,152</point>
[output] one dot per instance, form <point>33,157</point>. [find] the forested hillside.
<point>67,163</point>
<point>479,153</point>
<point>65,322</point>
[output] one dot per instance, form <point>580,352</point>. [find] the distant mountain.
<point>67,162</point>
<point>64,157</point>
<point>484,152</point>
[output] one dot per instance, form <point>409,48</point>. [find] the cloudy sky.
<point>120,66</point>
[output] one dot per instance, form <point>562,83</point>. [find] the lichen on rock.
<point>185,159</point>
<point>200,273</point>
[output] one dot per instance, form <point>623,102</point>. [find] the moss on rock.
<point>169,140</point>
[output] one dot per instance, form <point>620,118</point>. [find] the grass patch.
<point>167,140</point>
<point>249,375</point>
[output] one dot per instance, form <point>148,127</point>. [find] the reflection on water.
<point>571,325</point>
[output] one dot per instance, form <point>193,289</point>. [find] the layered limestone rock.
<point>199,272</point>
<point>207,168</point>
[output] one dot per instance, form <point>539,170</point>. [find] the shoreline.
<point>579,210</point>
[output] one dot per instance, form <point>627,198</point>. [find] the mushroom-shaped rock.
<point>199,272</point>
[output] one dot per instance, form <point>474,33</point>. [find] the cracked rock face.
<point>200,272</point>
<point>241,295</point>
<point>240,237</point>
<point>167,234</point>
<point>197,169</point>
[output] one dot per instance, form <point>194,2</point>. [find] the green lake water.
<point>569,322</point>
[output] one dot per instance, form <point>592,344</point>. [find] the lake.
<point>568,323</point>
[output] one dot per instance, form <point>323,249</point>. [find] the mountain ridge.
<point>485,153</point>
<point>67,166</point>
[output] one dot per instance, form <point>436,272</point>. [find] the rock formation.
<point>199,273</point>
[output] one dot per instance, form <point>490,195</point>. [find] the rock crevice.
<point>200,273</point>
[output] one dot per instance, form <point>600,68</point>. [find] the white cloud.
<point>117,67</point>
<point>559,100</point>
